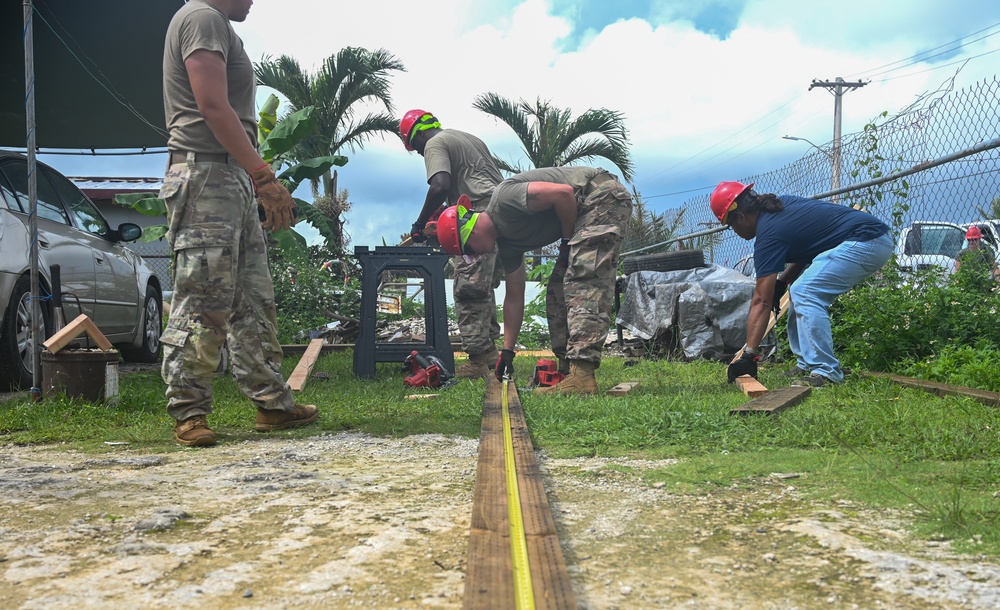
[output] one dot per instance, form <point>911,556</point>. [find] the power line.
<point>919,57</point>
<point>923,57</point>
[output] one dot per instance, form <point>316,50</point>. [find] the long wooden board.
<point>489,581</point>
<point>300,375</point>
<point>942,389</point>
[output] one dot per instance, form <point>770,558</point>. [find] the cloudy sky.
<point>708,87</point>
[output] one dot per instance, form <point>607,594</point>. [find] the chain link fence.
<point>937,160</point>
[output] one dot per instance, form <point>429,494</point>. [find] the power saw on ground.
<point>546,374</point>
<point>425,372</point>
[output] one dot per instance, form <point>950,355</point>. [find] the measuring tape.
<point>524,595</point>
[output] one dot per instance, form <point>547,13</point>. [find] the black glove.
<point>505,364</point>
<point>746,365</point>
<point>417,233</point>
<point>563,260</point>
<point>780,288</point>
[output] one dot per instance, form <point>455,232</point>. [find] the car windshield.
<point>935,239</point>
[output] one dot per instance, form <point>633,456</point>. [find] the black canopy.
<point>98,69</point>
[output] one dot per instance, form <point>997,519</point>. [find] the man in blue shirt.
<point>827,248</point>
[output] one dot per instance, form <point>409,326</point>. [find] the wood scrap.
<point>297,381</point>
<point>82,324</point>
<point>622,388</point>
<point>750,386</point>
<point>774,401</point>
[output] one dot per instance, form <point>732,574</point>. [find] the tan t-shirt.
<point>199,25</point>
<point>518,228</point>
<point>469,163</point>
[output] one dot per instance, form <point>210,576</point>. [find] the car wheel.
<point>152,328</point>
<point>16,338</point>
<point>664,261</point>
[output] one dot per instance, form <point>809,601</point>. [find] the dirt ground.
<point>347,520</point>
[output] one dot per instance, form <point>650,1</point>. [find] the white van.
<point>930,244</point>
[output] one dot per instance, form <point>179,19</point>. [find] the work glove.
<point>746,365</point>
<point>505,364</point>
<point>417,232</point>
<point>563,259</point>
<point>274,198</point>
<point>780,288</point>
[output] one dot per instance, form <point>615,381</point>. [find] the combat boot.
<point>276,419</point>
<point>478,366</point>
<point>580,380</point>
<point>194,432</point>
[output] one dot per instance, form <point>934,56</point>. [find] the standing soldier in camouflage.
<point>458,163</point>
<point>583,208</point>
<point>222,284</point>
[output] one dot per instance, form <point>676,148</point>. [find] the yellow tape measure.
<point>524,595</point>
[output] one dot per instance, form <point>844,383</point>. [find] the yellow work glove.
<point>274,198</point>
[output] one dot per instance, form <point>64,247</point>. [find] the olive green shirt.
<point>518,228</point>
<point>199,25</point>
<point>469,163</point>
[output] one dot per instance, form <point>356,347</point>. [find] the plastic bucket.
<point>90,374</point>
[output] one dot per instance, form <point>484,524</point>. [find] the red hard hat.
<point>723,199</point>
<point>409,120</point>
<point>973,233</point>
<point>448,228</point>
<point>447,231</point>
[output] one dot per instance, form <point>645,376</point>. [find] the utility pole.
<point>838,87</point>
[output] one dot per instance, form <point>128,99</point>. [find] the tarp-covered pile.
<point>708,307</point>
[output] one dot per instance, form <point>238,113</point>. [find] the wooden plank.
<point>622,388</point>
<point>774,401</point>
<point>489,581</point>
<point>549,576</point>
<point>300,375</point>
<point>80,325</point>
<point>750,386</point>
<point>985,397</point>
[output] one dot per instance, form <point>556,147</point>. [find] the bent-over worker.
<point>585,210</point>
<point>824,248</point>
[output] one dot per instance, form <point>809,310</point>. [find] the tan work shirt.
<point>199,25</point>
<point>469,163</point>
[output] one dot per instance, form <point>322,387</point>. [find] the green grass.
<point>867,441</point>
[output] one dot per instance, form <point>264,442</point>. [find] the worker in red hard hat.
<point>583,208</point>
<point>823,247</point>
<point>459,164</point>
<point>976,254</point>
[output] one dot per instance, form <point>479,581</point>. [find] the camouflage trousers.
<point>579,297</point>
<point>222,289</point>
<point>475,303</point>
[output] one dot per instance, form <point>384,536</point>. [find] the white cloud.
<point>697,105</point>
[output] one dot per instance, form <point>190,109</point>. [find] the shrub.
<point>306,294</point>
<point>887,323</point>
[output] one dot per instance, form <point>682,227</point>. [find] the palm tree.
<point>992,212</point>
<point>551,137</point>
<point>353,77</point>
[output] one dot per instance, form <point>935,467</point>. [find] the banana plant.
<point>276,138</point>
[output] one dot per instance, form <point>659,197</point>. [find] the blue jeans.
<point>830,275</point>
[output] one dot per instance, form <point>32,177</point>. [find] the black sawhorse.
<point>429,263</point>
